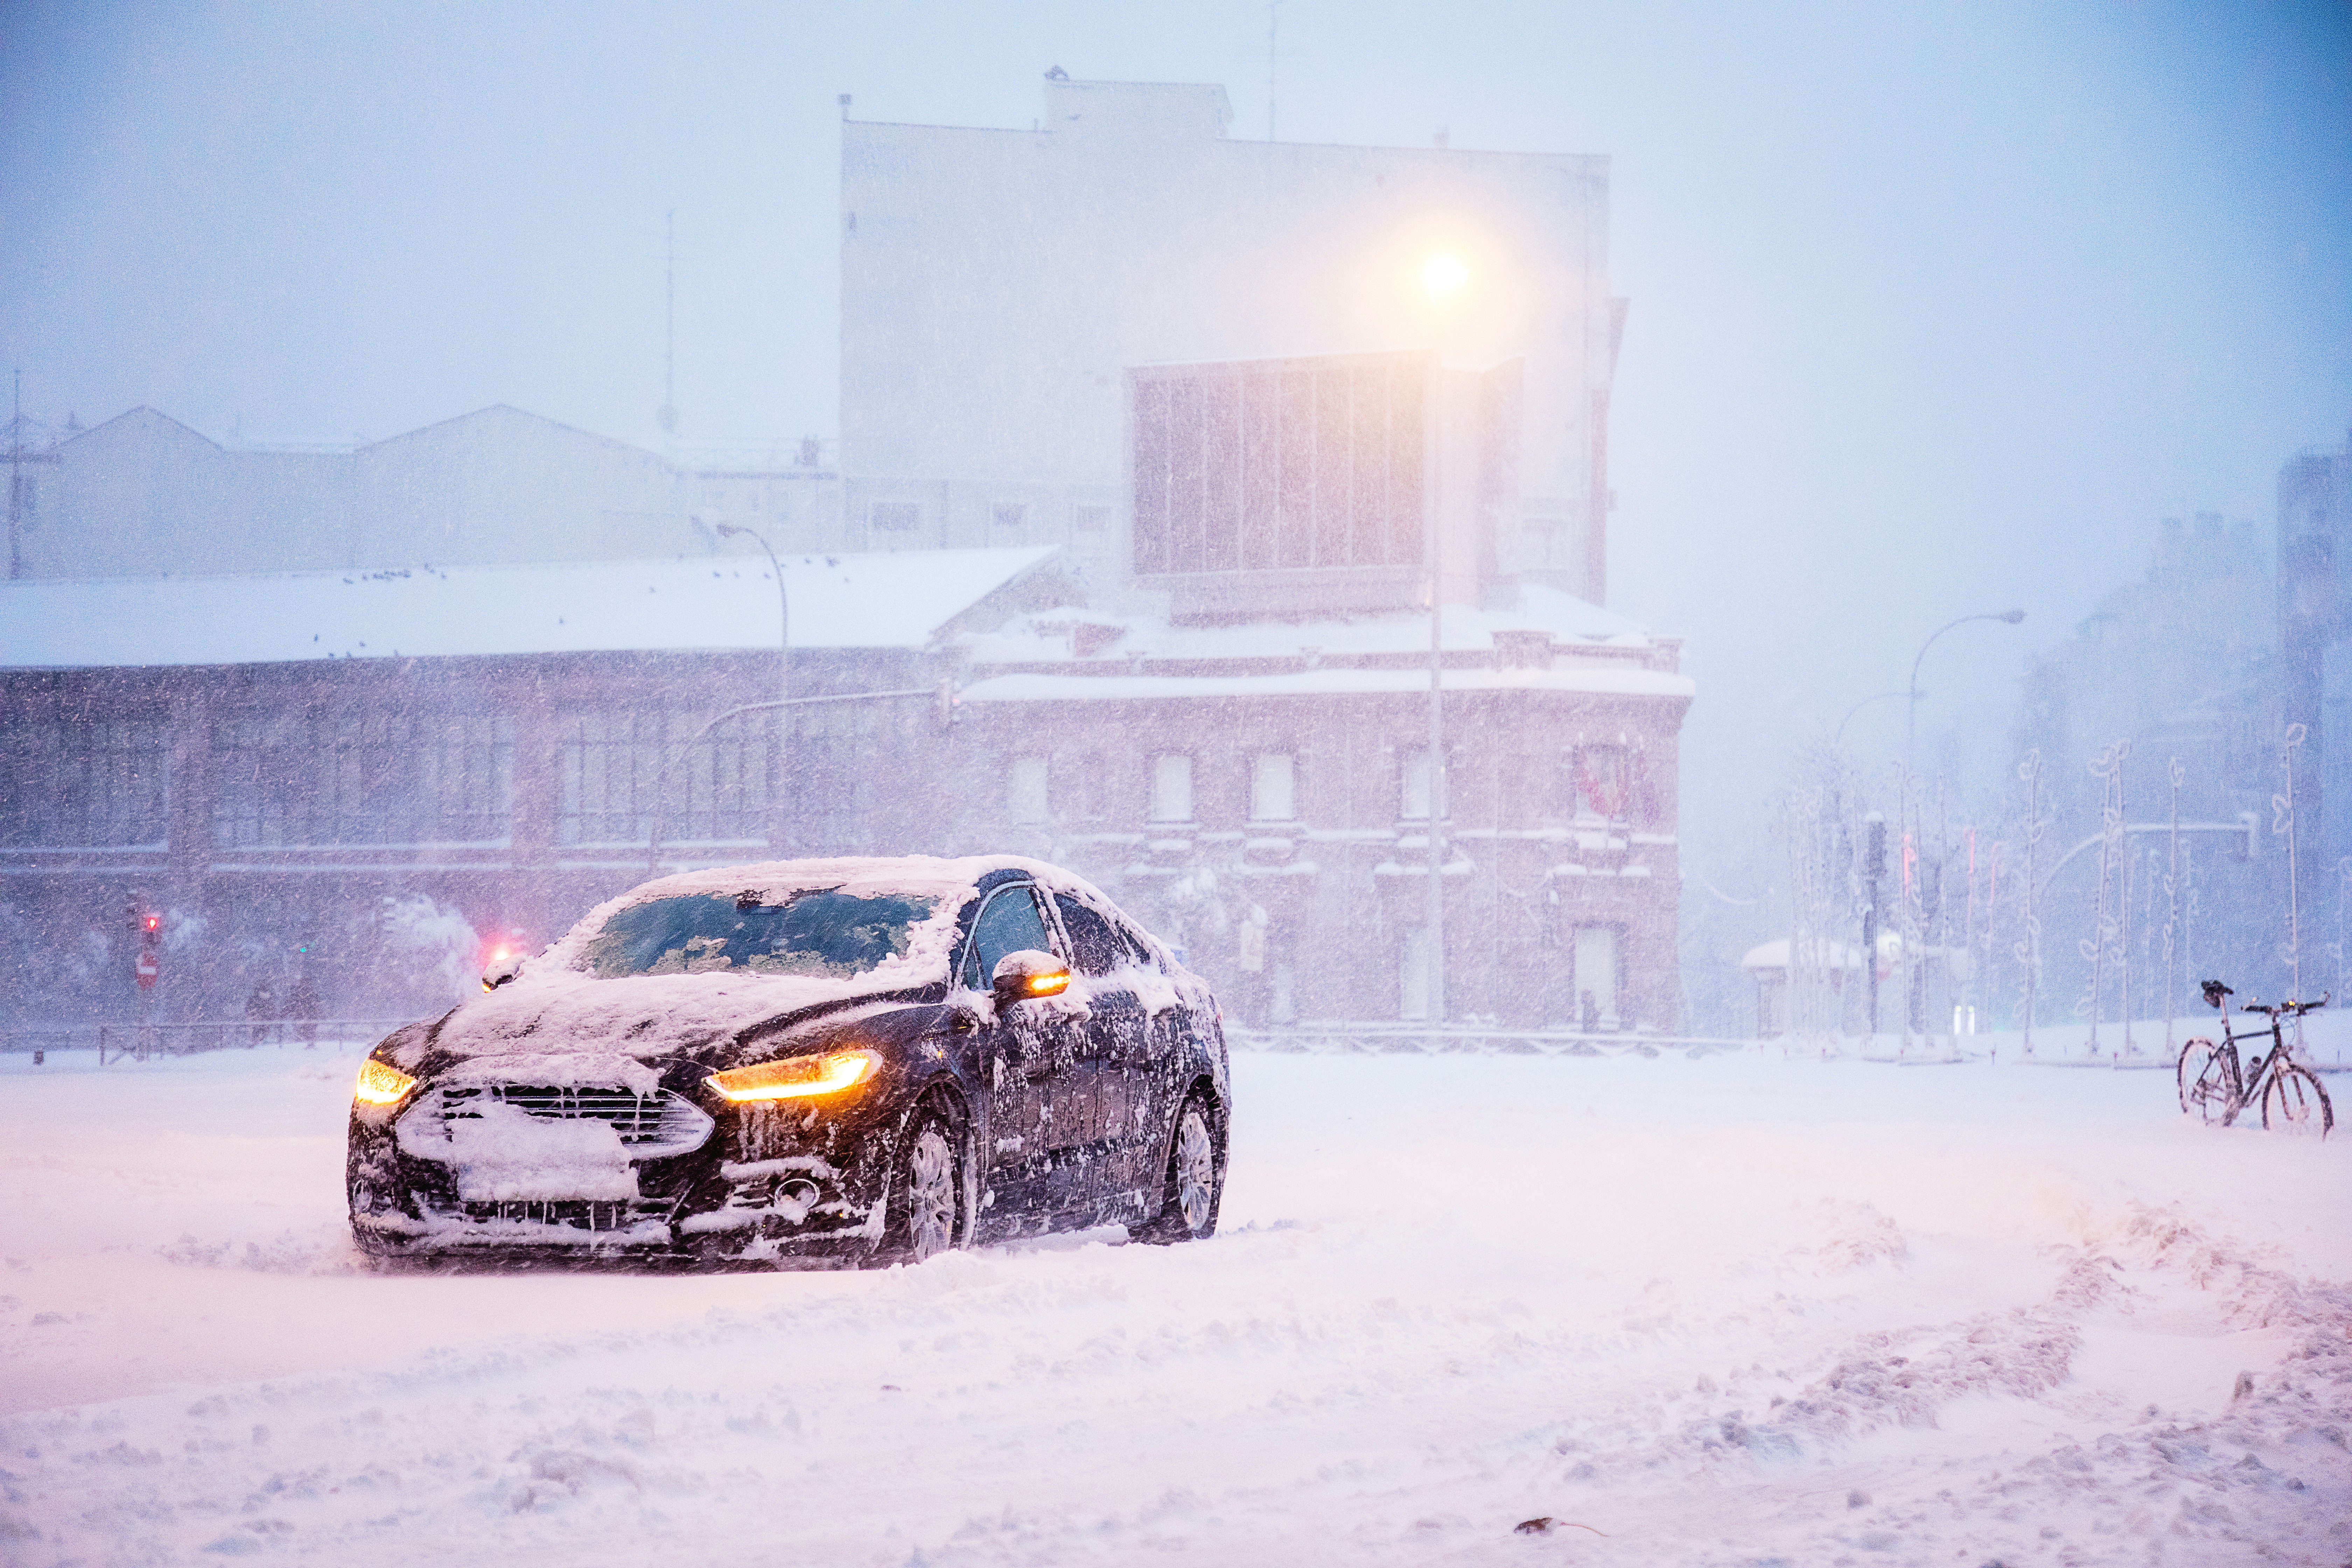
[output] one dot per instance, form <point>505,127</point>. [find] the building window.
<point>1028,792</point>
<point>1594,966</point>
<point>309,777</point>
<point>1007,517</point>
<point>1172,787</point>
<point>1090,519</point>
<point>75,785</point>
<point>1413,783</point>
<point>1273,787</point>
<point>1249,468</point>
<point>718,790</point>
<point>896,516</point>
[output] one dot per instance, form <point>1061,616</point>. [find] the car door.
<point>1115,1052</point>
<point>1041,1098</point>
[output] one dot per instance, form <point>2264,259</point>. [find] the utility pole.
<point>1273,16</point>
<point>18,455</point>
<point>783,656</point>
<point>1873,867</point>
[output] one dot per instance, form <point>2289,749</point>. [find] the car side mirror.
<point>1028,975</point>
<point>501,971</point>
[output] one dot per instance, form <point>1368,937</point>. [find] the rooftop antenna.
<point>1273,19</point>
<point>667,417</point>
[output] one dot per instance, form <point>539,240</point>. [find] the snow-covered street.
<point>1742,1309</point>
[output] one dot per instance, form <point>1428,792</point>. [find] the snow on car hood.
<point>556,1006</point>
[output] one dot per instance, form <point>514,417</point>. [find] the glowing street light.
<point>1443,276</point>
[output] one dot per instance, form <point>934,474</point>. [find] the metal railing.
<point>1408,1038</point>
<point>114,1042</point>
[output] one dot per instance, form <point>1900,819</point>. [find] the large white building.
<point>999,285</point>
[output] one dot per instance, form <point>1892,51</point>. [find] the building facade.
<point>1190,490</point>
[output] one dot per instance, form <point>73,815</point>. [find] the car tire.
<point>926,1191</point>
<point>1194,1183</point>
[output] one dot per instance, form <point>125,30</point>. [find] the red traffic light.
<point>154,923</point>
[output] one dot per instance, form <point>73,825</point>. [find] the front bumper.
<point>762,1184</point>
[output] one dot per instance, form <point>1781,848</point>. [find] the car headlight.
<point>382,1085</point>
<point>797,1078</point>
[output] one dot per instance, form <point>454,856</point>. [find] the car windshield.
<point>822,931</point>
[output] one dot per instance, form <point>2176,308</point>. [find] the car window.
<point>821,931</point>
<point>1139,951</point>
<point>1095,944</point>
<point>1009,923</point>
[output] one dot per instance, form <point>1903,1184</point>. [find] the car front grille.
<point>573,1213</point>
<point>650,1125</point>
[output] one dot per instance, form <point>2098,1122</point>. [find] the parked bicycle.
<point>2215,1087</point>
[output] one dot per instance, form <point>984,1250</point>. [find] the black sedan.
<point>847,1060</point>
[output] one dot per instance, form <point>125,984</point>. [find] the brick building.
<point>1184,593</point>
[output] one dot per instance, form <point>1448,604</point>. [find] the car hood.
<point>641,1016</point>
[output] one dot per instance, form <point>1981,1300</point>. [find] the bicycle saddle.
<point>2214,991</point>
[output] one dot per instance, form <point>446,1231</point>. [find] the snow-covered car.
<point>846,1060</point>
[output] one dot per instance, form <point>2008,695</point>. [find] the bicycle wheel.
<point>2296,1102</point>
<point>2208,1081</point>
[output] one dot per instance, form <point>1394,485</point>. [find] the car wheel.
<point>1194,1184</point>
<point>926,1191</point>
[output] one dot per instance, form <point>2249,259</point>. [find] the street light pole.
<point>1443,275</point>
<point>1911,728</point>
<point>1838,740</point>
<point>784,652</point>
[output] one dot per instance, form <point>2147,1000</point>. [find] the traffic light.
<point>147,965</point>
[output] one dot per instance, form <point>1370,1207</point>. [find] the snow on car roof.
<point>555,998</point>
<point>886,599</point>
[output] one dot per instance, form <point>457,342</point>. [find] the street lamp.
<point>1911,729</point>
<point>1839,738</point>
<point>784,643</point>
<point>1443,275</point>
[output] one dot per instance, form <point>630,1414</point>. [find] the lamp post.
<point>1902,805</point>
<point>1911,729</point>
<point>1838,740</point>
<point>783,646</point>
<point>1443,275</point>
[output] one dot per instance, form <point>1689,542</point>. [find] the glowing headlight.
<point>797,1078</point>
<point>382,1085</point>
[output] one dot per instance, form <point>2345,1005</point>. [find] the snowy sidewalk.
<point>1736,1311</point>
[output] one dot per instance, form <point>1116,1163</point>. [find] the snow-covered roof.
<point>1562,617</point>
<point>894,599</point>
<point>1619,681</point>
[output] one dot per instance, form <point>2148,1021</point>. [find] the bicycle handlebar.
<point>2288,1009</point>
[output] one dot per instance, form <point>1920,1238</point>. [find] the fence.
<point>140,1041</point>
<point>1343,1038</point>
